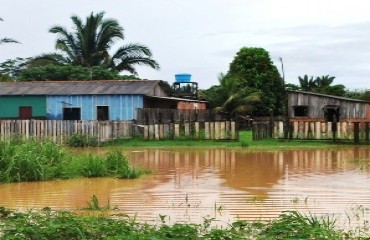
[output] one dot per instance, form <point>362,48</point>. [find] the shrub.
<point>30,161</point>
<point>82,140</point>
<point>93,166</point>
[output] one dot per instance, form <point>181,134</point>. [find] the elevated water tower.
<point>183,87</point>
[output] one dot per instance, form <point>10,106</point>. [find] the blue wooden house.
<point>78,100</point>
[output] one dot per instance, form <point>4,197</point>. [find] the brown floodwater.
<point>223,183</point>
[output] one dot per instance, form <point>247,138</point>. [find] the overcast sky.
<point>201,37</point>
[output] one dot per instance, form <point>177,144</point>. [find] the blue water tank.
<point>183,77</point>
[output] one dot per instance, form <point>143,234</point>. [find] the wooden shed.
<point>309,106</point>
<point>80,100</point>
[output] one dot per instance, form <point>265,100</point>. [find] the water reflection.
<point>224,183</point>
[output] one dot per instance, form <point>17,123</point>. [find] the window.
<point>25,112</point>
<point>71,113</point>
<point>300,111</point>
<point>102,113</point>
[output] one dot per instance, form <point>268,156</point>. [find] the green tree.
<point>360,94</point>
<point>256,82</point>
<point>322,85</point>
<point>235,101</point>
<point>7,40</point>
<point>67,72</point>
<point>5,78</point>
<point>90,43</point>
<point>13,67</point>
<point>324,81</point>
<point>306,83</point>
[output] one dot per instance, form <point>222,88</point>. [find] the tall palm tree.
<point>306,83</point>
<point>324,81</point>
<point>90,43</point>
<point>238,100</point>
<point>7,40</point>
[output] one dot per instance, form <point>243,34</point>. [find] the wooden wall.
<point>349,109</point>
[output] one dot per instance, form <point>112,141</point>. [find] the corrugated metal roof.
<point>103,87</point>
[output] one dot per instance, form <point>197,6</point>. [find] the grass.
<point>42,160</point>
<point>48,224</point>
<point>245,141</point>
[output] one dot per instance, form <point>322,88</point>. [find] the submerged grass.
<point>42,160</point>
<point>48,224</point>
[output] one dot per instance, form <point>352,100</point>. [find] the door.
<point>25,112</point>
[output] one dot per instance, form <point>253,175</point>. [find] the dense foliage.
<point>321,84</point>
<point>20,69</point>
<point>49,224</point>
<point>252,85</point>
<point>67,72</point>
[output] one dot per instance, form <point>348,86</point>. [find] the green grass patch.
<point>48,224</point>
<point>42,160</point>
<point>244,141</point>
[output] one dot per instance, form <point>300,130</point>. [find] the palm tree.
<point>90,43</point>
<point>306,83</point>
<point>324,81</point>
<point>238,100</point>
<point>7,40</point>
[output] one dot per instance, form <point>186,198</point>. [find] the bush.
<point>82,140</point>
<point>30,161</point>
<point>41,161</point>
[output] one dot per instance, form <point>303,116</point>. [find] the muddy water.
<point>227,184</point>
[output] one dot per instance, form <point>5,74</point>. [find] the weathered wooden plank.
<point>207,133</point>
<point>212,130</point>
<point>156,131</point>
<point>317,130</point>
<point>217,131</point>
<point>176,130</point>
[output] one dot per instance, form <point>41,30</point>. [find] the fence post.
<point>356,132</point>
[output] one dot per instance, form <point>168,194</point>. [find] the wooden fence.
<point>192,130</point>
<point>356,131</point>
<point>353,131</point>
<point>60,130</point>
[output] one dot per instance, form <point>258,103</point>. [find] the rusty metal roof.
<point>103,87</point>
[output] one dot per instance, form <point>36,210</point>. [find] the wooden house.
<point>309,106</point>
<point>85,100</point>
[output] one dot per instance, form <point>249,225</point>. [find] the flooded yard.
<point>223,183</point>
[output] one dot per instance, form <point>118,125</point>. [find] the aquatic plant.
<point>294,225</point>
<point>94,204</point>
